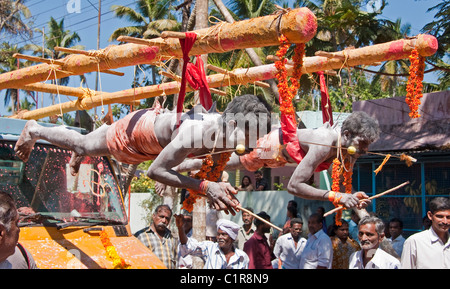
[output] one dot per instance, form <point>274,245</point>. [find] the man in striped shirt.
<point>216,255</point>
<point>159,239</point>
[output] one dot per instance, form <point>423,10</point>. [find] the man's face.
<point>187,223</point>
<point>440,221</point>
<point>395,230</point>
<point>368,237</point>
<point>224,240</point>
<point>247,219</point>
<point>238,135</point>
<point>360,143</point>
<point>8,240</point>
<point>314,225</point>
<point>161,219</point>
<point>342,232</point>
<point>258,177</point>
<point>296,230</point>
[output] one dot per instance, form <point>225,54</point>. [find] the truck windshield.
<point>45,186</point>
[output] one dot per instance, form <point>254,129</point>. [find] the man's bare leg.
<point>92,144</point>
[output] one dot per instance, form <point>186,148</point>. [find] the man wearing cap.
<point>217,255</point>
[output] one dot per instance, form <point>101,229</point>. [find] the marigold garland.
<point>206,173</point>
<point>286,92</point>
<point>347,183</point>
<point>111,252</point>
<point>414,86</point>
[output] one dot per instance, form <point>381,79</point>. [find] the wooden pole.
<point>393,50</point>
<point>299,25</point>
<point>259,218</point>
<point>371,198</point>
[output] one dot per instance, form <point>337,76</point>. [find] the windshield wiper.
<point>37,218</point>
<point>95,221</point>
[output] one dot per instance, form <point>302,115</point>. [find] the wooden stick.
<point>38,59</point>
<point>259,218</point>
<point>141,41</point>
<point>254,215</point>
<point>178,78</point>
<point>371,198</point>
<point>173,34</point>
<point>224,71</point>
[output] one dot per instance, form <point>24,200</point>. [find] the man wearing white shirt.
<point>370,235</point>
<point>430,249</point>
<point>217,255</point>
<point>318,252</point>
<point>396,239</point>
<point>289,247</point>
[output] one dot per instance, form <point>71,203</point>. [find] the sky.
<point>81,16</point>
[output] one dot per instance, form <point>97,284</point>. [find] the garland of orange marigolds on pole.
<point>287,93</point>
<point>414,86</point>
<point>206,174</point>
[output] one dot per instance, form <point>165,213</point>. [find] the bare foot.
<point>26,142</point>
<point>75,162</point>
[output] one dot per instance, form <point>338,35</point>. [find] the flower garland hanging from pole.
<point>286,92</point>
<point>414,86</point>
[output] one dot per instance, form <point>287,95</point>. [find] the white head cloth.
<point>229,227</point>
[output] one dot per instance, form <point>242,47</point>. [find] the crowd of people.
<point>253,246</point>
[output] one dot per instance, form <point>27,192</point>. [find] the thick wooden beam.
<point>299,25</point>
<point>394,50</point>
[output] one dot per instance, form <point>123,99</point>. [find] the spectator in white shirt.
<point>318,252</point>
<point>289,247</point>
<point>370,235</point>
<point>430,249</point>
<point>396,239</point>
<point>217,255</point>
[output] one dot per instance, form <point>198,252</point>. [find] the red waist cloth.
<point>268,154</point>
<point>132,140</point>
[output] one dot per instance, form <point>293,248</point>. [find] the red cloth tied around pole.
<point>327,111</point>
<point>186,46</point>
<point>196,77</point>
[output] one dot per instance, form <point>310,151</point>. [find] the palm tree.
<point>150,18</point>
<point>57,36</point>
<point>440,28</point>
<point>11,18</point>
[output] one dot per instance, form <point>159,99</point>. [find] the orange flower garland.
<point>414,86</point>
<point>111,252</point>
<point>205,173</point>
<point>287,93</point>
<point>335,187</point>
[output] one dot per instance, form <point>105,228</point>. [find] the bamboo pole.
<point>299,25</point>
<point>70,91</point>
<point>371,198</point>
<point>393,50</point>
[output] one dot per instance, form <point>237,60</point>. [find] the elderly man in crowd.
<point>371,256</point>
<point>217,255</point>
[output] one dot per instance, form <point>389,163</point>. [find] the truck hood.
<point>74,247</point>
